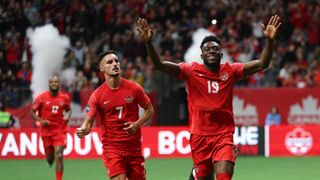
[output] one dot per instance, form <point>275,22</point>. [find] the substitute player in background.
<point>117,102</point>
<point>209,88</point>
<point>52,110</point>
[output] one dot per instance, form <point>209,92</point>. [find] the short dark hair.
<point>101,55</point>
<point>210,38</point>
<point>52,76</point>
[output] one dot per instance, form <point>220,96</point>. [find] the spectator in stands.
<point>24,75</point>
<point>238,24</point>
<point>6,120</point>
<point>273,117</point>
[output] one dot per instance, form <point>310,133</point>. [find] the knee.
<point>224,167</point>
<point>59,154</point>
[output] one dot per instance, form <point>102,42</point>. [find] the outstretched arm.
<point>263,62</point>
<point>146,35</point>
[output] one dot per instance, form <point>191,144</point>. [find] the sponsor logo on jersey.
<point>298,141</point>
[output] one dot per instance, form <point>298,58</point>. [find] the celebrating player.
<point>117,102</point>
<point>209,88</point>
<point>52,110</point>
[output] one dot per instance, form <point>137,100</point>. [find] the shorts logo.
<point>128,99</point>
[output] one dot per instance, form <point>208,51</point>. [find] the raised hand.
<point>144,30</point>
<point>271,29</point>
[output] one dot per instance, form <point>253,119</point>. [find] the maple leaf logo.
<point>244,115</point>
<point>308,113</point>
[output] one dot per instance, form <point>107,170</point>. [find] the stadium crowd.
<point>94,26</point>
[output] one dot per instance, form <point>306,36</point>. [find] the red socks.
<point>223,176</point>
<point>59,175</point>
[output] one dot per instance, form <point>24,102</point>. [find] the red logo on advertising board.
<point>298,141</point>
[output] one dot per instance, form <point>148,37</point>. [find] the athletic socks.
<point>59,175</point>
<point>223,176</point>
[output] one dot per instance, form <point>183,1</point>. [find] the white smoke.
<point>48,49</point>
<point>68,76</point>
<point>194,51</point>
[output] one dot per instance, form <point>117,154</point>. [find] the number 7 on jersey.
<point>120,108</point>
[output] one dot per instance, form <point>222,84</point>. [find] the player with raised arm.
<point>117,102</point>
<point>209,87</point>
<point>52,110</point>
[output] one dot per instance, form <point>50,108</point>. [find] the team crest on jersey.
<point>224,76</point>
<point>87,108</point>
<point>129,99</point>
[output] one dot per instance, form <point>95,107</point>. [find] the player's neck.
<point>54,93</point>
<point>215,68</point>
<point>113,82</point>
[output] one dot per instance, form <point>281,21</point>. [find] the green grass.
<point>247,168</point>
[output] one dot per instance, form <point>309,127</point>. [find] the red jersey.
<point>210,97</point>
<point>115,107</point>
<point>51,108</point>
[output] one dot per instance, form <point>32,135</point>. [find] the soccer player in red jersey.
<point>52,110</point>
<point>117,102</point>
<point>209,88</point>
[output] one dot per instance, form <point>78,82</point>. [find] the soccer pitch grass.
<point>247,168</point>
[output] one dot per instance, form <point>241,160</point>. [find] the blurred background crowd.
<point>94,26</point>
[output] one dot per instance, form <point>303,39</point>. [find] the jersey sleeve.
<point>185,70</point>
<point>142,97</point>
<point>67,103</point>
<point>238,70</point>
<point>37,103</point>
<point>92,107</point>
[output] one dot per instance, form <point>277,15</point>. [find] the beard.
<point>54,90</point>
